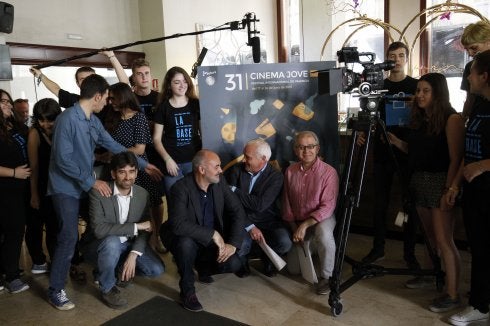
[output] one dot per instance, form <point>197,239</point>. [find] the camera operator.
<point>399,84</point>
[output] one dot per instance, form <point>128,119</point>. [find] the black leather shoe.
<point>269,270</point>
<point>244,271</point>
<point>114,299</point>
<point>191,303</point>
<point>373,256</point>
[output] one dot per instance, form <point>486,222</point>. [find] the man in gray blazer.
<point>205,226</point>
<point>119,230</point>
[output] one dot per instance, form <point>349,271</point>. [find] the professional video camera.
<point>336,80</point>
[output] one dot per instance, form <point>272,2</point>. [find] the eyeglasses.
<point>308,147</point>
<point>6,101</point>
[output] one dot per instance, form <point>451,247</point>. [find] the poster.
<point>270,101</point>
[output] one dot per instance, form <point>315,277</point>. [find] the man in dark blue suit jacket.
<point>205,226</point>
<point>258,185</point>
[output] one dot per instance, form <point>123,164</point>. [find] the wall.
<point>115,22</point>
<point>151,22</point>
<point>181,17</point>
<point>100,23</point>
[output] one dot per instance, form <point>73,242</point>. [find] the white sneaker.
<point>467,316</point>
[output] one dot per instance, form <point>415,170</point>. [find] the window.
<point>446,54</point>
<point>369,39</point>
<point>24,86</point>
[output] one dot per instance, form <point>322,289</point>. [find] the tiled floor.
<point>256,300</point>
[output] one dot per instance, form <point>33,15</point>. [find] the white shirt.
<point>123,205</point>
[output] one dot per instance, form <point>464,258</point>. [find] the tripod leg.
<point>351,187</point>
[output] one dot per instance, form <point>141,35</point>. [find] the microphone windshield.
<point>255,44</point>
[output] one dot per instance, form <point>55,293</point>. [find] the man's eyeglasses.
<point>6,101</point>
<point>308,147</point>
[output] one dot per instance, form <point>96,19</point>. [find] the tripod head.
<point>368,116</point>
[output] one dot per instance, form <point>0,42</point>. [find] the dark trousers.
<point>36,220</point>
<point>189,253</point>
<point>383,180</point>
<point>476,213</point>
<point>278,238</point>
<point>12,225</point>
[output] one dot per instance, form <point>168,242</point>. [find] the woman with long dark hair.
<point>475,177</point>
<point>42,213</point>
<point>14,183</point>
<point>435,150</point>
<point>129,127</point>
<point>176,134</point>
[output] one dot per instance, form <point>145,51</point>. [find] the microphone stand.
<point>235,25</point>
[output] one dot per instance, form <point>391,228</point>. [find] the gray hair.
<point>198,160</point>
<point>262,147</point>
<point>306,133</point>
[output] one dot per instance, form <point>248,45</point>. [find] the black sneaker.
<point>205,278</point>
<point>191,303</point>
<point>373,256</point>
<point>16,286</point>
<point>113,299</point>
<point>243,272</point>
<point>269,269</point>
<point>445,303</point>
<point>323,286</point>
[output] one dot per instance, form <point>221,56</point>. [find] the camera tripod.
<point>349,197</point>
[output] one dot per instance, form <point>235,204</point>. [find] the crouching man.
<point>119,230</point>
<point>310,195</point>
<point>205,226</point>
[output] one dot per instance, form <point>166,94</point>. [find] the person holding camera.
<point>398,84</point>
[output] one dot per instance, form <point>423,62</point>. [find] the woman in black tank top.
<point>435,149</point>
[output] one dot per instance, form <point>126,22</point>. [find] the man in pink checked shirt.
<point>310,195</point>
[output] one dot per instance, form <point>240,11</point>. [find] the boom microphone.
<point>198,62</point>
<point>255,44</point>
<point>253,40</point>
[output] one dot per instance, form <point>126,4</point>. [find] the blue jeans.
<point>66,208</point>
<point>168,180</point>
<point>110,255</point>
<point>188,253</point>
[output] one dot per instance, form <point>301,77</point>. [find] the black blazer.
<point>261,207</point>
<point>185,214</point>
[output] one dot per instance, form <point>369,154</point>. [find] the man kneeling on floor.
<point>119,231</point>
<point>205,226</point>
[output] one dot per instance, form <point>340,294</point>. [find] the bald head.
<point>206,166</point>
